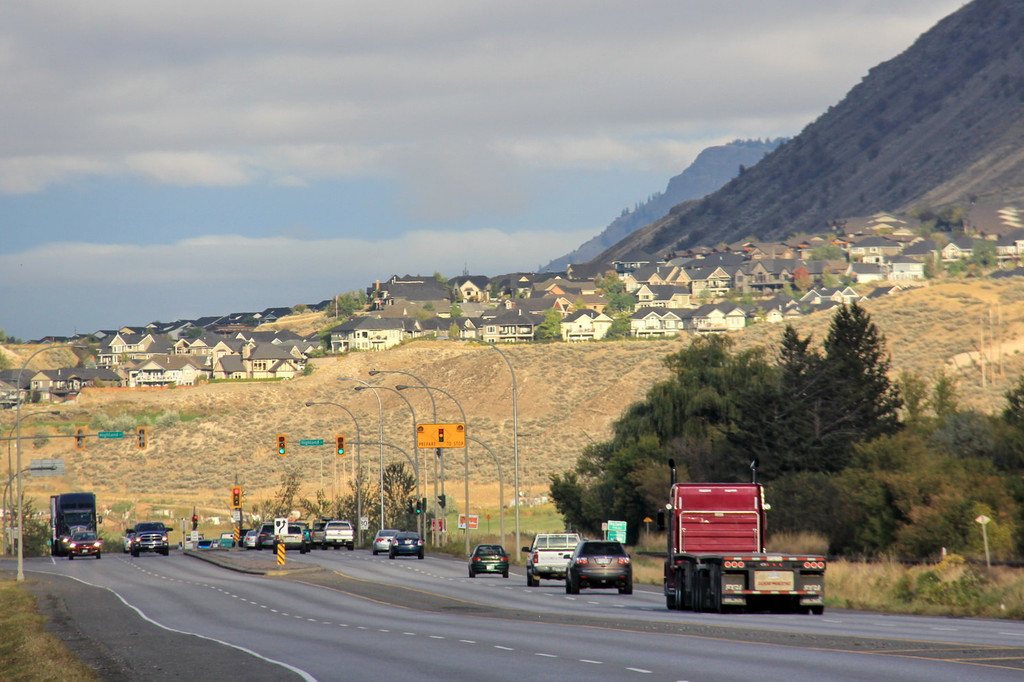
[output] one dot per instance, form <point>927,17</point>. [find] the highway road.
<point>367,617</point>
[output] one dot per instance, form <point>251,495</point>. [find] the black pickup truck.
<point>150,536</point>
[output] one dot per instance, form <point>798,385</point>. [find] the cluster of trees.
<point>875,466</point>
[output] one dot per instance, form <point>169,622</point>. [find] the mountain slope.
<point>712,168</point>
<point>941,123</point>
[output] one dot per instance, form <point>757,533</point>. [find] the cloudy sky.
<point>161,161</point>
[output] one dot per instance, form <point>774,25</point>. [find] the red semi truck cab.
<point>716,558</point>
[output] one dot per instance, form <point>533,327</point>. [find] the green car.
<point>488,559</point>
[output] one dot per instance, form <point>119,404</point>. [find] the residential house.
<point>663,296</point>
<point>716,317</point>
<point>866,272</point>
<point>125,346</point>
<point>270,361</point>
<point>648,323</point>
<point>585,325</point>
<point>510,326</point>
<point>904,268</point>
<point>167,370</point>
<point>67,382</point>
<point>874,249</point>
<point>476,288</point>
<point>370,333</point>
<point>958,249</point>
<point>840,295</point>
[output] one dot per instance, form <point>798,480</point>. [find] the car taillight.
<point>624,560</point>
<point>536,557</point>
<point>581,560</point>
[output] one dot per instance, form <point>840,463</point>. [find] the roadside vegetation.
<point>27,651</point>
<point>878,467</point>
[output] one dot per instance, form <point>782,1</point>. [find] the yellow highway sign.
<point>440,435</point>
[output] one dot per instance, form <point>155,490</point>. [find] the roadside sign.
<point>236,515</point>
<point>439,525</point>
<point>280,526</point>
<point>47,467</point>
<point>441,435</point>
<point>110,434</point>
<point>616,531</point>
<point>474,521</point>
<point>311,441</point>
<point>364,522</point>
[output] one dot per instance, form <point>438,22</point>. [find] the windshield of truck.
<point>557,541</point>
<point>148,527</point>
<point>78,518</point>
<point>339,525</point>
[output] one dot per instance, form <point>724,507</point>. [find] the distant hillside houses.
<point>705,290</point>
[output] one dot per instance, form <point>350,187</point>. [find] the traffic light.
<point>421,505</point>
<point>341,445</point>
<point>142,437</point>
<point>236,497</point>
<point>440,435</point>
<point>195,522</point>
<point>441,501</point>
<point>282,444</point>
<point>80,438</point>
<point>409,507</point>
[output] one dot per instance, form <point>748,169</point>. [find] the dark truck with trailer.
<point>716,559</point>
<point>70,512</point>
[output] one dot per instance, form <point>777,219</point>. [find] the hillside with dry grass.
<point>207,437</point>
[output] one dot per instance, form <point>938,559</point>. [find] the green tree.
<point>620,328</point>
<point>551,328</point>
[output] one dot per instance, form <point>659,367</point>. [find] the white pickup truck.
<point>549,556</point>
<point>338,533</point>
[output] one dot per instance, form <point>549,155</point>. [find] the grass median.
<point>27,650</point>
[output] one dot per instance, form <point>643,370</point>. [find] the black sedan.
<point>85,543</point>
<point>599,563</point>
<point>488,559</point>
<point>406,543</point>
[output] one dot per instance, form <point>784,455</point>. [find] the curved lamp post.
<point>501,488</point>
<point>380,438</point>
<point>11,474</point>
<point>359,469</point>
<point>515,441</point>
<point>402,387</point>
<point>438,453</point>
<point>416,458</point>
<point>21,519</point>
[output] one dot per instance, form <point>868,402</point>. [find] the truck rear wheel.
<point>531,579</point>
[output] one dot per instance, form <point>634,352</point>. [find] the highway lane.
<point>323,633</point>
<point>449,577</point>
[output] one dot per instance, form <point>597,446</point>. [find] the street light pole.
<point>515,440</point>
<point>415,451</point>
<point>402,387</point>
<point>11,475</point>
<point>438,453</point>
<point>380,438</point>
<point>501,488</point>
<point>21,505</point>
<point>359,470</point>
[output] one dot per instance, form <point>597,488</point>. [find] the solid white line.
<point>298,671</point>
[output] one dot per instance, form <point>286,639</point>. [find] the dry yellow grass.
<point>27,651</point>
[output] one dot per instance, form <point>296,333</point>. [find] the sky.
<point>165,161</point>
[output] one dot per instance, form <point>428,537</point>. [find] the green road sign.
<point>311,441</point>
<point>110,434</point>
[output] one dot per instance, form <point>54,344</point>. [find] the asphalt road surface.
<point>353,616</point>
